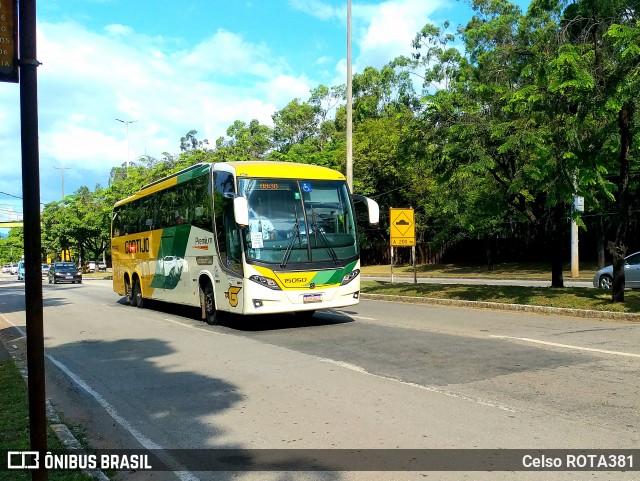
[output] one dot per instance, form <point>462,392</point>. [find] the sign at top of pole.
<point>402,227</point>
<point>8,41</point>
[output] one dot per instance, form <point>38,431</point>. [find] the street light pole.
<point>349,103</point>
<point>127,122</point>
<point>62,169</point>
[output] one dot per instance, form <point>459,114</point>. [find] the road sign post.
<point>402,231</point>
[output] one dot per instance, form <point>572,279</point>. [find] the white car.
<point>97,266</point>
<point>6,269</point>
<point>14,269</point>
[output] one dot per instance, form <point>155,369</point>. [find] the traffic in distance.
<point>241,237</point>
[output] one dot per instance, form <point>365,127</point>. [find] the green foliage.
<point>518,113</point>
<point>244,142</point>
<point>12,247</point>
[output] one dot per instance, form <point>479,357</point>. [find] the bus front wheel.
<point>211,314</point>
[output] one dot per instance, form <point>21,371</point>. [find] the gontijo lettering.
<point>137,245</point>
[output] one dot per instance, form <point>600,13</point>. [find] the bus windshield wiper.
<point>287,253</point>
<point>324,237</point>
<point>296,235</point>
<point>327,244</point>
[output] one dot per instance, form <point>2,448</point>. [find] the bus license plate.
<point>307,298</point>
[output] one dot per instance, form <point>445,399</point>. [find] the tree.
<point>296,123</point>
<point>605,35</point>
<point>12,247</point>
<point>244,142</point>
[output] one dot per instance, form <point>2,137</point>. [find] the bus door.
<point>229,290</point>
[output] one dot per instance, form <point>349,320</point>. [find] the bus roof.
<point>283,170</point>
<point>171,180</point>
<point>257,168</point>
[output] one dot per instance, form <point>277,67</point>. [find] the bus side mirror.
<point>374,211</point>
<point>241,211</point>
<point>372,208</point>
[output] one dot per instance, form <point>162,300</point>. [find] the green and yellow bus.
<point>240,237</point>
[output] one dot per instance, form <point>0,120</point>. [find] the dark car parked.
<point>64,272</point>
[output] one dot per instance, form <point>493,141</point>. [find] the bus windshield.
<point>299,221</point>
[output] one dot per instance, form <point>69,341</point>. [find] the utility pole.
<point>578,206</point>
<point>28,65</point>
<point>349,104</point>
<point>62,169</point>
<point>127,122</point>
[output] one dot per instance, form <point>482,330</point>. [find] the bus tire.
<point>211,314</point>
<point>128,292</point>
<point>137,294</point>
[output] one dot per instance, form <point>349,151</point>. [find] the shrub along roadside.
<point>513,270</point>
<point>568,298</point>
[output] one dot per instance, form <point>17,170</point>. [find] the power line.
<point>11,195</point>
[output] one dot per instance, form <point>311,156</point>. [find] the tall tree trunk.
<point>600,236</point>
<point>490,250</point>
<point>619,248</point>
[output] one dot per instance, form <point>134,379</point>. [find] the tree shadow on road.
<point>155,398</point>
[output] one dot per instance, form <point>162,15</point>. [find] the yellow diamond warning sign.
<point>403,229</point>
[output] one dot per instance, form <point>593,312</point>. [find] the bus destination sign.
<point>8,41</point>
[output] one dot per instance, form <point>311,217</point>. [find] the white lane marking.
<point>195,328</point>
<point>433,389</point>
<point>569,346</point>
<point>141,438</point>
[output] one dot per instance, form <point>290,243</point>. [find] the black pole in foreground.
<point>32,241</point>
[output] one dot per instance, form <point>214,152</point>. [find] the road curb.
<point>560,311</point>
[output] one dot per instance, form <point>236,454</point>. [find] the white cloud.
<point>284,88</point>
<point>319,9</point>
<point>228,54</point>
<point>389,29</point>
<point>89,79</point>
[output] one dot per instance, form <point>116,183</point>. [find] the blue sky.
<point>173,66</point>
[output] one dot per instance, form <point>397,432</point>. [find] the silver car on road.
<point>604,277</point>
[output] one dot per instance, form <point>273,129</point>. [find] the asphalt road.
<point>379,375</point>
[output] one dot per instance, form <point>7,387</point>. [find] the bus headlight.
<point>351,276</point>
<point>266,282</point>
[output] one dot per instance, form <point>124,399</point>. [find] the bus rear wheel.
<point>137,294</point>
<point>128,292</point>
<point>211,314</point>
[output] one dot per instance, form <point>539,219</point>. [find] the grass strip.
<point>569,297</point>
<point>528,271</point>
<point>14,425</point>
